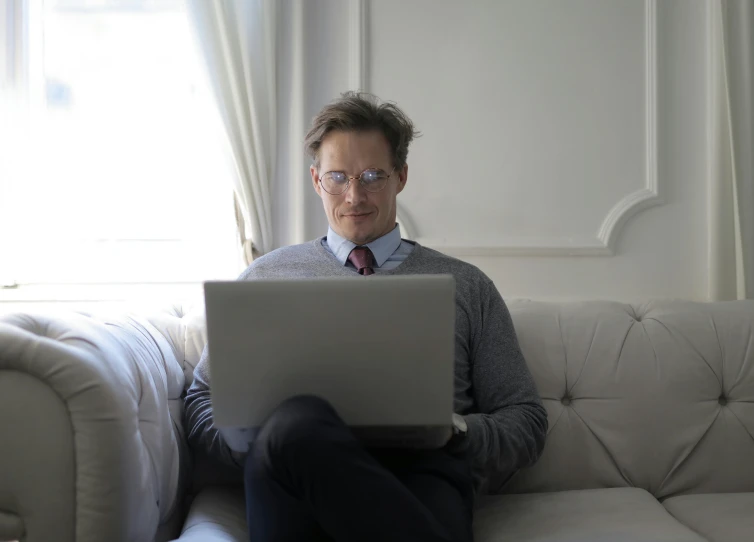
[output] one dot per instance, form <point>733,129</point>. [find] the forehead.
<point>341,149</point>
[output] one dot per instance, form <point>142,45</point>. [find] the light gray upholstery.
<point>592,515</point>
<point>90,449</point>
<point>722,517</point>
<point>217,514</point>
<point>647,403</point>
<point>597,515</point>
<point>658,396</point>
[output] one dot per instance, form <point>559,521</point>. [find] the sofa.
<point>651,433</point>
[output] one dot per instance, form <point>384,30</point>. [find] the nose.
<point>355,194</point>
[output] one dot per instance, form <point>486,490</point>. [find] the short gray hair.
<point>361,112</point>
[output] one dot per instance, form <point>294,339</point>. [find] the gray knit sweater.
<point>494,389</point>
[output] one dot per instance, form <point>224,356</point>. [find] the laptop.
<point>379,349</point>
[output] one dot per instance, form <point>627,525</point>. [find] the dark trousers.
<point>307,478</point>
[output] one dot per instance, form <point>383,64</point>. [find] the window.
<point>115,167</point>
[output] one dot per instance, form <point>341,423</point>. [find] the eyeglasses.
<point>337,182</point>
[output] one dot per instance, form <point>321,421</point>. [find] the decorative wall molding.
<point>408,230</point>
<point>603,243</point>
<point>522,246</point>
<point>650,195</point>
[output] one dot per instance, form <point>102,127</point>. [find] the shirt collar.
<point>382,248</point>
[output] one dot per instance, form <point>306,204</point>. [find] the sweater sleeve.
<point>202,433</point>
<point>200,425</point>
<point>508,431</point>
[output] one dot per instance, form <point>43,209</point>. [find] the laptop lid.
<point>379,349</point>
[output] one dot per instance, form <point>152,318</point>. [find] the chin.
<point>360,238</point>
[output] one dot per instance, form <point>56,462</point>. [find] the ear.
<point>402,179</point>
<point>315,180</point>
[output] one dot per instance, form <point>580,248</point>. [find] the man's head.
<point>357,135</point>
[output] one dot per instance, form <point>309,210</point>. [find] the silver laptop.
<point>379,349</point>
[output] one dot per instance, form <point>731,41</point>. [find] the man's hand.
<point>457,434</point>
<point>448,436</point>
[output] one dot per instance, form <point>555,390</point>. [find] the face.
<point>358,215</point>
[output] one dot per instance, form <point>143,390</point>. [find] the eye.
<point>373,175</point>
<point>337,177</point>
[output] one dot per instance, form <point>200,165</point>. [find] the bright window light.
<point>124,175</point>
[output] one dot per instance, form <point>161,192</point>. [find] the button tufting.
<point>566,401</point>
<point>722,400</point>
<point>636,317</point>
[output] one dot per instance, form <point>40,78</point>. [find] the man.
<point>306,476</point>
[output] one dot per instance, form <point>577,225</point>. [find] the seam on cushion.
<point>654,351</point>
<point>623,345</point>
<point>551,428</point>
<point>607,451</point>
<point>689,527</point>
<point>720,349</point>
<point>743,362</point>
<point>692,347</point>
<point>62,339</point>
<point>173,347</point>
<point>160,336</point>
<point>742,423</point>
<point>149,338</point>
<point>127,348</point>
<point>569,391</point>
<point>565,354</point>
<point>684,458</point>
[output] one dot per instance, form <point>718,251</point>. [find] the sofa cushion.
<point>595,515</point>
<point>218,514</point>
<point>721,517</point>
<point>625,514</point>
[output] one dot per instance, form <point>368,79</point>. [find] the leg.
<point>311,460</point>
<point>442,482</point>
<point>272,513</point>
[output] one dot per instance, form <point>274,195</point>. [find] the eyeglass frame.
<point>350,178</point>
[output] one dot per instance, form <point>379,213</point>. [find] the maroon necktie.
<point>363,260</point>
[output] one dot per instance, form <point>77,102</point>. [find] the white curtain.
<point>731,247</point>
<point>237,39</point>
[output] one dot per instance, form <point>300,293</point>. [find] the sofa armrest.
<point>89,450</point>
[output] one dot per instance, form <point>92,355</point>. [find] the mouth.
<point>357,216</point>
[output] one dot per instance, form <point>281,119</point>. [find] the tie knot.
<point>362,259</point>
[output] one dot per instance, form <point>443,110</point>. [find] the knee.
<point>310,408</point>
<point>300,415</point>
<point>296,420</point>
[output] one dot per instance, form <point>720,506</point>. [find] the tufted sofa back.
<point>658,396</point>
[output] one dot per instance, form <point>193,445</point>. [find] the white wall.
<point>564,148</point>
